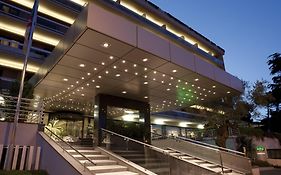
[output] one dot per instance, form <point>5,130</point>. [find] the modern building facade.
<point>119,63</point>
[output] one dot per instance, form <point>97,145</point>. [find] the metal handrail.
<point>136,141</point>
<point>69,146</point>
<point>203,144</point>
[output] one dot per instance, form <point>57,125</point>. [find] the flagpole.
<point>28,41</point>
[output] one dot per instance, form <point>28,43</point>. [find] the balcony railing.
<point>23,15</point>
<point>36,53</point>
<point>31,111</point>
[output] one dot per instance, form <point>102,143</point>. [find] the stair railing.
<point>51,135</point>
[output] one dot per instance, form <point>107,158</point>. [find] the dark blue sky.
<point>248,30</point>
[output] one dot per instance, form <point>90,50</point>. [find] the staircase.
<point>103,164</point>
<point>200,162</point>
<point>152,163</point>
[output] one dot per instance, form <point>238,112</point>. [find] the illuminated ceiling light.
<point>154,79</point>
<point>95,68</point>
<point>114,67</point>
<point>68,88</point>
<point>124,92</point>
<point>179,81</point>
<point>88,73</point>
<point>71,85</point>
<point>77,82</point>
<point>228,92</point>
<point>162,82</point>
<point>83,95</point>
<point>145,69</point>
<point>196,79</point>
<point>145,76</point>
<point>136,73</point>
<point>172,78</point>
<point>200,126</point>
<point>154,72</point>
<point>126,70</point>
<point>123,61</point>
<point>185,83</point>
<point>204,89</point>
<point>111,57</point>
<point>214,86</point>
<point>97,86</point>
<point>214,93</point>
<point>198,87</point>
<point>145,82</point>
<point>174,71</point>
<point>192,85</point>
<point>117,75</point>
<point>135,65</point>
<point>168,89</point>
<point>106,72</point>
<point>102,63</point>
<point>88,84</point>
<point>81,65</point>
<point>93,81</point>
<point>99,77</point>
<point>82,78</point>
<point>145,97</point>
<point>105,45</point>
<point>65,79</point>
<point>145,59</point>
<point>163,75</point>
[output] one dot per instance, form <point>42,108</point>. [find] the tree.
<point>274,63</point>
<point>227,113</point>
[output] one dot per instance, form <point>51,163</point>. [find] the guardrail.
<point>31,111</point>
<point>227,158</point>
<point>18,45</point>
<point>152,158</point>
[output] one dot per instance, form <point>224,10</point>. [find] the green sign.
<point>260,148</point>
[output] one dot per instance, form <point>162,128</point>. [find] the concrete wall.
<point>25,135</point>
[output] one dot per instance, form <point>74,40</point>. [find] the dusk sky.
<point>248,30</point>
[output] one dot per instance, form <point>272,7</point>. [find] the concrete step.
<point>119,173</point>
<point>107,168</point>
<point>84,152</point>
<point>99,162</point>
<point>94,157</point>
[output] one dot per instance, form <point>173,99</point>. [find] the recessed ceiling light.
<point>65,79</point>
<point>105,45</point>
<point>172,78</point>
<point>192,85</point>
<point>111,57</point>
<point>228,92</point>
<point>135,65</point>
<point>154,72</point>
<point>214,86</point>
<point>102,63</point>
<point>117,75</point>
<point>144,60</point>
<point>106,72</point>
<point>99,77</point>
<point>88,73</point>
<point>88,84</point>
<point>97,86</point>
<point>145,76</point>
<point>163,75</point>
<point>93,81</point>
<point>145,96</point>
<point>168,89</point>
<point>174,71</point>
<point>196,79</point>
<point>162,82</point>
<point>154,79</point>
<point>145,82</point>
<point>81,65</point>
<point>124,92</point>
<point>83,95</point>
<point>77,82</point>
<point>136,73</point>
<point>214,92</point>
<point>145,69</point>
<point>123,61</point>
<point>114,67</point>
<point>68,88</point>
<point>95,68</point>
<point>82,78</point>
<point>126,70</point>
<point>71,85</point>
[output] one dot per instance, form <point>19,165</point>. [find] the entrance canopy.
<point>109,50</point>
